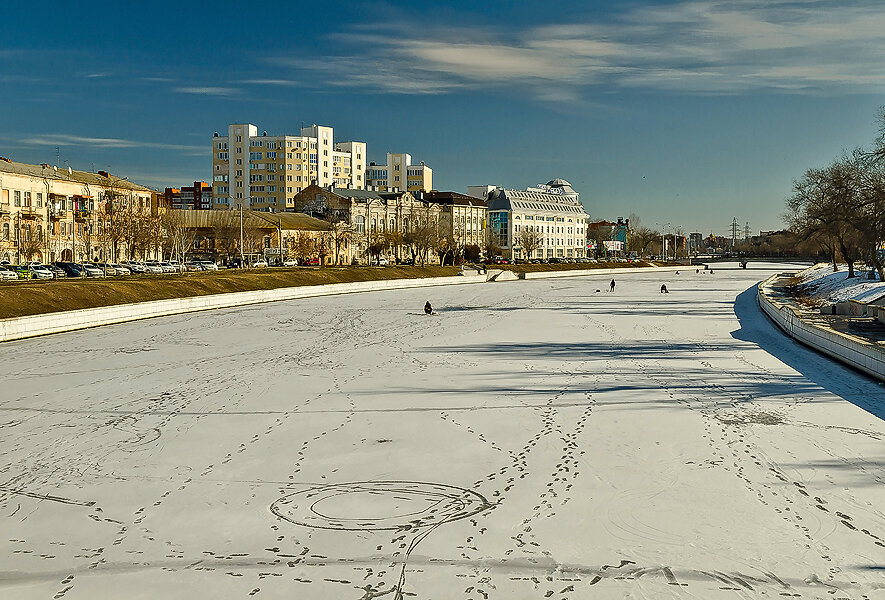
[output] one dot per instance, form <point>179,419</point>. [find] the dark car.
<point>70,269</point>
<point>407,261</point>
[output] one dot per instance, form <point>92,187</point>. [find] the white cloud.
<point>74,140</point>
<point>719,46</point>
<point>208,91</point>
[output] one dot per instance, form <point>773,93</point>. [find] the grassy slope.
<point>23,298</point>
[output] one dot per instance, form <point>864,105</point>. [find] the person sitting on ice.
<point>428,310</point>
<point>664,289</point>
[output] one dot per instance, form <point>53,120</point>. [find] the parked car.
<point>70,269</point>
<point>207,265</point>
<point>7,274</point>
<point>109,271</point>
<point>259,263</point>
<point>168,267</point>
<point>382,262</point>
<point>192,266</point>
<point>39,271</point>
<point>92,270</point>
<point>57,273</point>
<point>407,261</point>
<point>501,261</point>
<point>133,265</point>
<point>121,269</point>
<point>290,262</point>
<point>312,262</point>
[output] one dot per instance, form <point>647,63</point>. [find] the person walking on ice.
<point>612,286</point>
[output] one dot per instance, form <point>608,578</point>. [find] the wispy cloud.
<point>277,82</point>
<point>208,91</point>
<point>696,46</point>
<point>74,140</point>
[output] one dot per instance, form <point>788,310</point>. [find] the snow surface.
<point>534,439</point>
<point>823,285</point>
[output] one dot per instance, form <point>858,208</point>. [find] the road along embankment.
<point>59,322</point>
<point>862,354</point>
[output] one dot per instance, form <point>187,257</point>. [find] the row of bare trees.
<point>841,207</point>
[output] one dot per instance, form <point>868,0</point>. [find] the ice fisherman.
<point>428,310</point>
<point>612,286</point>
<point>664,289</point>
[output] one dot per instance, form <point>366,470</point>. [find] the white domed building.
<point>552,210</point>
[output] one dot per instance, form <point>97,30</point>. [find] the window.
<point>17,197</point>
<point>222,156</point>
<point>6,231</point>
<point>360,224</point>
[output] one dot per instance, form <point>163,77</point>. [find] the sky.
<point>687,114</point>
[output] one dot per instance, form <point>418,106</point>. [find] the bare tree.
<point>302,246</point>
<point>529,240</point>
<point>641,238</point>
<point>340,232</point>
<point>827,203</point>
<point>179,238</point>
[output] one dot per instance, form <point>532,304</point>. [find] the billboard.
<point>614,245</point>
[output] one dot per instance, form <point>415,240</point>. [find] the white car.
<point>39,271</point>
<point>259,263</point>
<point>152,266</point>
<point>207,265</point>
<point>6,274</point>
<point>92,270</point>
<point>290,262</point>
<point>134,266</point>
<point>121,269</point>
<point>168,267</point>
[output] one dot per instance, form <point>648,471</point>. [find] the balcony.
<point>55,215</point>
<point>28,213</point>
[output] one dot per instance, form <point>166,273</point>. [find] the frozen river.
<point>535,439</point>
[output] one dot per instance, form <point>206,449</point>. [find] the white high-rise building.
<point>265,172</point>
<point>400,174</point>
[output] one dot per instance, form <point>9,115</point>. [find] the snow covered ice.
<point>535,439</point>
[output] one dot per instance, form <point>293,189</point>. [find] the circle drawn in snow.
<point>378,505</point>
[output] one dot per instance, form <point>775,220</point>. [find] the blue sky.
<point>688,112</point>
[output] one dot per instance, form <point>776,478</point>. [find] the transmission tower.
<point>747,232</point>
<point>734,232</point>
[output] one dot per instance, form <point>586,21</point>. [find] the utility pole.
<point>280,220</point>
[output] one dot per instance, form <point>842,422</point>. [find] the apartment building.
<point>196,197</point>
<point>400,174</point>
<point>49,214</point>
<point>553,210</point>
<point>265,173</point>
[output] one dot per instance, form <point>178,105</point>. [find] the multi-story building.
<point>553,210</point>
<point>196,197</point>
<point>50,214</point>
<point>264,173</point>
<point>400,174</point>
<point>462,217</point>
<point>369,223</point>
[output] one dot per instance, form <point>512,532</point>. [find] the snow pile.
<point>820,284</point>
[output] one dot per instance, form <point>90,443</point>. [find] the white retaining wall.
<point>31,326</point>
<point>860,354</point>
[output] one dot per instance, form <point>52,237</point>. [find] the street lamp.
<point>663,244</point>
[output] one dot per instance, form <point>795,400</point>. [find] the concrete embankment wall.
<point>36,325</point>
<point>860,354</point>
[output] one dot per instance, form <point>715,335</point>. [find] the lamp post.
<point>663,242</point>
